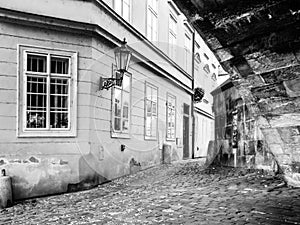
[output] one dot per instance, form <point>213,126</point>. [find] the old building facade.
<point>59,132</point>
<point>206,71</point>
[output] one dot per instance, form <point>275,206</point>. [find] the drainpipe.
<point>193,87</point>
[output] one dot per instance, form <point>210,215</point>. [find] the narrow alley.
<point>180,193</point>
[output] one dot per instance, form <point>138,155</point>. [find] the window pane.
<point>36,102</point>
<point>154,95</point>
<point>154,108</point>
<point>59,65</point>
<point>36,63</point>
<point>149,25</point>
<point>148,126</point>
<point>125,112</point>
<point>126,99</point>
<point>125,126</point>
<point>154,125</point>
<point>117,102</point>
<point>118,7</point>
<point>36,119</point>
<point>126,83</point>
<point>59,104</point>
<point>149,107</point>
<point>154,24</point>
<point>126,10</point>
<point>148,92</point>
<point>58,120</point>
<point>117,124</point>
<point>126,105</point>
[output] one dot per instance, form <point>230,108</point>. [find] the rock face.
<point>258,43</point>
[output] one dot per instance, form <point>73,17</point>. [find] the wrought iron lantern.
<point>122,58</point>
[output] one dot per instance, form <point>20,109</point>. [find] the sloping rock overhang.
<point>258,43</point>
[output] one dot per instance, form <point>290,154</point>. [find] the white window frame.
<point>152,13</point>
<point>120,4</point>
<point>153,115</point>
<point>121,133</point>
<point>22,130</point>
<point>172,36</point>
<point>168,137</point>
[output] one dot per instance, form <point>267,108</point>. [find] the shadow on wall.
<point>89,174</point>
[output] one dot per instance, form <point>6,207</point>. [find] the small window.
<point>152,20</point>
<point>197,58</point>
<point>123,8</point>
<point>213,65</point>
<point>206,68</point>
<point>121,106</point>
<point>187,51</point>
<point>172,36</point>
<point>171,117</point>
<point>151,107</point>
<point>206,56</point>
<point>214,77</point>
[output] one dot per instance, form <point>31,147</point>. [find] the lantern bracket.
<point>106,83</point>
<point>122,57</point>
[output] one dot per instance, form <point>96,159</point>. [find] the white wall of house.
<point>48,162</point>
<point>206,76</point>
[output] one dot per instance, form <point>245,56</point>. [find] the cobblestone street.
<point>181,193</point>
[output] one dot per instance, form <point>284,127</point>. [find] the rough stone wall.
<point>238,133</point>
<point>258,44</point>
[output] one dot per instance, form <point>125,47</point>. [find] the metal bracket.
<point>106,83</point>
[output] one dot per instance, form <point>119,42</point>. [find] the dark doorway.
<point>186,129</point>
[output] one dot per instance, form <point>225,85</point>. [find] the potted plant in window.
<point>198,94</point>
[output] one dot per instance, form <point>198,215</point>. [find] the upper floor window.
<point>48,92</point>
<point>187,51</point>
<point>123,8</point>
<point>172,36</point>
<point>197,58</point>
<point>152,20</point>
<point>151,111</point>
<point>197,46</point>
<point>206,68</point>
<point>213,65</point>
<point>122,106</point>
<point>214,77</point>
<point>171,116</point>
<point>206,56</point>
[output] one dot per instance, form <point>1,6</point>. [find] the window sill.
<point>32,134</point>
<point>120,135</point>
<point>171,139</point>
<point>147,138</point>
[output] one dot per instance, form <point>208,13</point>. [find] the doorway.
<point>186,130</point>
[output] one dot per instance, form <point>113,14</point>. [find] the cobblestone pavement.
<point>181,193</point>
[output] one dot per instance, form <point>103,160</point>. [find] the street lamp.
<point>122,58</point>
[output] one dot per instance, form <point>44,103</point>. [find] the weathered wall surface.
<point>39,166</point>
<point>258,43</point>
<point>144,152</point>
<point>239,139</point>
<point>204,132</point>
<point>44,165</point>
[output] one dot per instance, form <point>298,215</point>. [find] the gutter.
<point>192,105</point>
